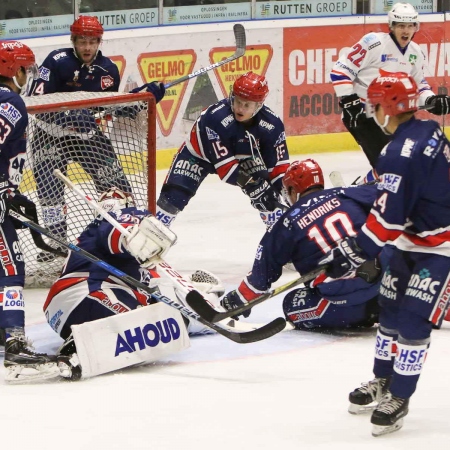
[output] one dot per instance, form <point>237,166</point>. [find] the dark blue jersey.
<point>101,239</point>
<point>62,71</point>
<point>413,201</point>
<point>13,125</point>
<point>306,233</point>
<point>218,138</point>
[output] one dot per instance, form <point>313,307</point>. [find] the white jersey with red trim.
<point>359,65</point>
<point>412,210</point>
<point>219,139</point>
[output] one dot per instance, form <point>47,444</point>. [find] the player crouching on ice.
<point>85,305</point>
<point>317,218</point>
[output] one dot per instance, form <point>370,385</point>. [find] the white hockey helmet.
<point>114,199</point>
<point>403,13</point>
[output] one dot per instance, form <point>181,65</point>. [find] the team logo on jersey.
<point>11,113</point>
<point>107,82</point>
<point>44,73</point>
<point>412,59</point>
<point>390,182</point>
<point>212,135</point>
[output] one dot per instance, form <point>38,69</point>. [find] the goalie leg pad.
<point>138,337</point>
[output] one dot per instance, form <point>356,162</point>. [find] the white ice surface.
<point>287,392</point>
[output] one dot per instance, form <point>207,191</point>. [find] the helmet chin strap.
<point>384,125</point>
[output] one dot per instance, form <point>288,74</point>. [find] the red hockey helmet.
<point>13,55</point>
<point>396,92</point>
<point>301,176</point>
<point>87,26</point>
<point>114,199</point>
<point>252,87</point>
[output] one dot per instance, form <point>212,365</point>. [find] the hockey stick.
<point>30,211</point>
<point>239,36</point>
<point>264,332</point>
<point>205,310</point>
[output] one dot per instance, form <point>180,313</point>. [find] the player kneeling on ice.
<point>238,138</point>
<point>316,220</point>
<point>85,305</point>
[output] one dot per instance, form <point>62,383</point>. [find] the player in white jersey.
<point>359,65</point>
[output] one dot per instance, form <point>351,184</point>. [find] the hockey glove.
<point>155,87</point>
<point>352,110</point>
<point>262,195</point>
<point>440,104</point>
<point>232,301</point>
<point>347,256</point>
<point>149,241</point>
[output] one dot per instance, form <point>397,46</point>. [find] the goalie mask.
<point>114,199</point>
<point>300,177</point>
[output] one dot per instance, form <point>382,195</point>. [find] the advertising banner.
<point>310,105</point>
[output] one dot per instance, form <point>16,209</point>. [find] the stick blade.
<point>239,35</point>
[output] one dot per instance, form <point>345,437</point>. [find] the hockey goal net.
<point>98,140</point>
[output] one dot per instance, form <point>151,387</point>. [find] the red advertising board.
<point>310,105</point>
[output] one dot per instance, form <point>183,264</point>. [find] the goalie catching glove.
<point>149,241</point>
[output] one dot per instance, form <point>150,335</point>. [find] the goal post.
<point>99,140</point>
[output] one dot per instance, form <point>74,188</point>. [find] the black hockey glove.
<point>262,195</point>
<point>347,256</point>
<point>352,110</point>
<point>233,300</point>
<point>440,104</point>
<point>155,87</point>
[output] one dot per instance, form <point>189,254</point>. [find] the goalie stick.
<point>205,310</point>
<point>178,281</point>
<point>264,332</point>
<point>239,36</point>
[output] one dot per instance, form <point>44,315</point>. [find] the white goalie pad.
<point>141,336</point>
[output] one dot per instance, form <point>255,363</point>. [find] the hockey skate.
<point>366,397</point>
<point>388,415</point>
<point>23,364</point>
<point>68,363</point>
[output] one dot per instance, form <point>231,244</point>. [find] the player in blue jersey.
<point>317,219</point>
<point>85,292</point>
<point>412,213</point>
<point>81,68</point>
<point>17,67</point>
<point>239,139</point>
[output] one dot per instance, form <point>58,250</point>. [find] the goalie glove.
<point>440,104</point>
<point>352,110</point>
<point>149,241</point>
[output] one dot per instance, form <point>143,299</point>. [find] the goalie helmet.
<point>252,87</point>
<point>86,26</point>
<point>115,199</point>
<point>302,176</point>
<point>396,92</point>
<point>13,56</point>
<point>403,13</point>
